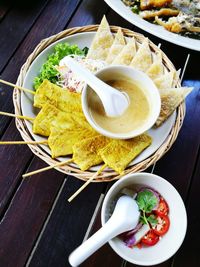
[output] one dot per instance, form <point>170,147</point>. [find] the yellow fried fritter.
<point>61,141</point>
<point>119,153</point>
<point>51,117</point>
<point>85,153</point>
<point>64,100</point>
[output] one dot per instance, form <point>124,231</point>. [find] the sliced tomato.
<point>162,226</point>
<point>163,208</point>
<point>150,239</point>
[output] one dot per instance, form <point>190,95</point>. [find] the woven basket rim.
<point>106,175</point>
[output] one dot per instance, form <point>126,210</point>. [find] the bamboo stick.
<point>16,116</point>
<point>18,87</point>
<point>47,168</point>
<point>87,183</point>
<point>23,142</point>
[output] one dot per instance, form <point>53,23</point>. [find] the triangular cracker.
<point>126,54</point>
<point>165,81</point>
<point>156,69</point>
<point>116,47</point>
<point>170,100</point>
<point>102,42</point>
<point>142,59</point>
<point>176,78</point>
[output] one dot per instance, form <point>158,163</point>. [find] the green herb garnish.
<point>135,9</point>
<point>152,219</point>
<point>146,201</point>
<point>48,70</point>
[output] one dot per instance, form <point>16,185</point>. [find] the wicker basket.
<point>106,175</point>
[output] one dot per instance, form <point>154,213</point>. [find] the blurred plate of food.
<point>176,21</point>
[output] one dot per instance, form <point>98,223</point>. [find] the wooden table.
<point>39,228</point>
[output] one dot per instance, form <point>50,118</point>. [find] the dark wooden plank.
<point>10,73</point>
<point>43,28</point>
<point>4,7</point>
<point>27,196</point>
<point>13,160</point>
<point>164,264</point>
<point>88,13</point>
<point>67,225</point>
<point>189,255</point>
<point>16,25</point>
<point>117,20</point>
<point>26,214</point>
<point>178,164</point>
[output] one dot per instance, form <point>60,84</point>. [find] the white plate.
<point>124,11</point>
<point>82,39</point>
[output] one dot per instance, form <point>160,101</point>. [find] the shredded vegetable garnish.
<point>48,70</point>
<point>154,220</point>
<point>69,80</point>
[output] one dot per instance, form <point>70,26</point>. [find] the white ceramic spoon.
<point>114,101</point>
<point>124,218</point>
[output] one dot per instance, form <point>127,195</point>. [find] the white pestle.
<point>124,218</point>
<point>114,101</point>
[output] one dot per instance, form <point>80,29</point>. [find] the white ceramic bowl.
<point>145,83</point>
<point>171,241</point>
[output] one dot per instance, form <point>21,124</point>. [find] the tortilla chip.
<point>102,42</point>
<point>64,100</point>
<point>142,59</point>
<point>127,53</point>
<point>164,81</point>
<point>85,153</point>
<point>116,47</point>
<point>61,141</point>
<point>170,100</point>
<point>156,69</point>
<point>119,153</point>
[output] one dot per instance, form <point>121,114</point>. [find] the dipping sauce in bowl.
<point>136,114</point>
<point>143,109</point>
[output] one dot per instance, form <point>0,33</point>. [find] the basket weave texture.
<point>106,175</point>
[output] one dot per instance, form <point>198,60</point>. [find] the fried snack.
<point>61,141</point>
<point>102,42</point>
<point>42,122</point>
<point>119,153</point>
<point>69,120</point>
<point>64,100</point>
<point>148,4</point>
<point>51,117</point>
<point>116,47</point>
<point>170,100</point>
<point>142,59</point>
<point>126,55</point>
<point>151,14</point>
<point>165,81</point>
<point>85,153</point>
<point>156,69</point>
<point>182,23</point>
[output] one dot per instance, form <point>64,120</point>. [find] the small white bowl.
<point>171,241</point>
<point>119,72</point>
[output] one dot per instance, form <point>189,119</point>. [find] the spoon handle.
<point>91,245</point>
<point>95,83</point>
